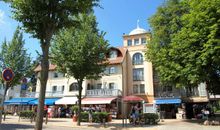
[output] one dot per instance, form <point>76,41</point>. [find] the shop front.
<point>168,107</point>
<point>104,104</point>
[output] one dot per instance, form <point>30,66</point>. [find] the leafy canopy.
<point>43,18</point>
<point>80,51</point>
<point>185,45</point>
<point>15,56</point>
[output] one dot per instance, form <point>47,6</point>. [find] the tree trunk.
<point>3,99</point>
<point>79,99</point>
<point>43,83</point>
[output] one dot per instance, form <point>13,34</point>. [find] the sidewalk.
<point>67,122</point>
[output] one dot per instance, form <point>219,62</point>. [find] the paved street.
<point>57,124</point>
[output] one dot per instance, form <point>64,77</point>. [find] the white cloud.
<point>1,17</point>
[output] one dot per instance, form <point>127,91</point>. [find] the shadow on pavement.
<point>15,127</point>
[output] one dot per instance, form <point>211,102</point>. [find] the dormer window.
<point>113,54</point>
<point>55,75</point>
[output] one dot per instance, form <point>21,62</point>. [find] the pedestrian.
<point>90,113</point>
<point>133,115</point>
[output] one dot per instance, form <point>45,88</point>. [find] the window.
<point>54,89</point>
<point>55,75</point>
<point>99,86</point>
<point>138,74</point>
<point>138,89</point>
<point>135,88</point>
<point>129,42</point>
<point>62,88</point>
<point>137,59</point>
<point>142,88</point>
<point>143,40</point>
<point>112,70</point>
<point>74,87</point>
<point>112,86</point>
<point>136,41</point>
<point>113,54</point>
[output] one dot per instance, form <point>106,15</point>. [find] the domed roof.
<point>137,31</point>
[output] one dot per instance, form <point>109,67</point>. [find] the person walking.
<point>90,113</point>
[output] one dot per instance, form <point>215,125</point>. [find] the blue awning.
<point>47,101</point>
<point>168,101</point>
<point>19,101</point>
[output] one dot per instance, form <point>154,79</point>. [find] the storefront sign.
<point>149,108</point>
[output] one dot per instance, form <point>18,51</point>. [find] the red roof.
<point>121,56</point>
<point>51,67</point>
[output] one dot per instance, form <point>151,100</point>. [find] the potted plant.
<point>75,112</point>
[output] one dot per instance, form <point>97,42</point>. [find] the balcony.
<point>103,93</point>
<point>48,94</point>
<point>167,94</point>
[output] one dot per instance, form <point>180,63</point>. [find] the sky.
<point>116,17</point>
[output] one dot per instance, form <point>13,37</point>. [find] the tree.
<point>15,57</point>
<point>187,54</point>
<point>80,52</point>
<point>42,19</point>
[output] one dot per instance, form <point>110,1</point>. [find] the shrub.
<point>84,116</point>
<point>150,118</point>
<point>97,117</point>
<point>27,114</point>
<point>75,109</point>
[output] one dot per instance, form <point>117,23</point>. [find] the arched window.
<point>74,87</point>
<point>137,59</point>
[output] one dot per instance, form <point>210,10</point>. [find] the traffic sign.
<point>7,74</point>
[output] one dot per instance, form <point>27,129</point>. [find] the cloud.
<point>1,17</point>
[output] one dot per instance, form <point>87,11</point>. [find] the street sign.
<point>7,74</point>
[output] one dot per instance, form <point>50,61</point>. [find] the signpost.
<point>7,75</point>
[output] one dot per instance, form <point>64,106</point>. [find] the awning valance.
<point>168,101</point>
<point>100,100</point>
<point>47,101</point>
<point>67,100</point>
<point>19,101</point>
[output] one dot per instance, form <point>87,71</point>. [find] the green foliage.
<point>185,45</point>
<point>80,51</point>
<point>15,56</point>
<point>27,114</point>
<point>43,18</point>
<point>99,117</point>
<point>84,117</point>
<point>75,108</point>
<point>150,118</point>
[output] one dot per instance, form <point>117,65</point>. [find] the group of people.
<point>135,113</point>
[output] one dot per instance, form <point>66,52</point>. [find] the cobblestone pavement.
<point>12,123</point>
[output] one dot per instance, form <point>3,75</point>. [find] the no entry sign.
<point>7,74</point>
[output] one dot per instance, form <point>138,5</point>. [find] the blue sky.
<point>115,18</point>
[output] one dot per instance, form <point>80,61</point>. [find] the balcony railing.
<point>47,94</point>
<point>103,92</point>
<point>167,95</point>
